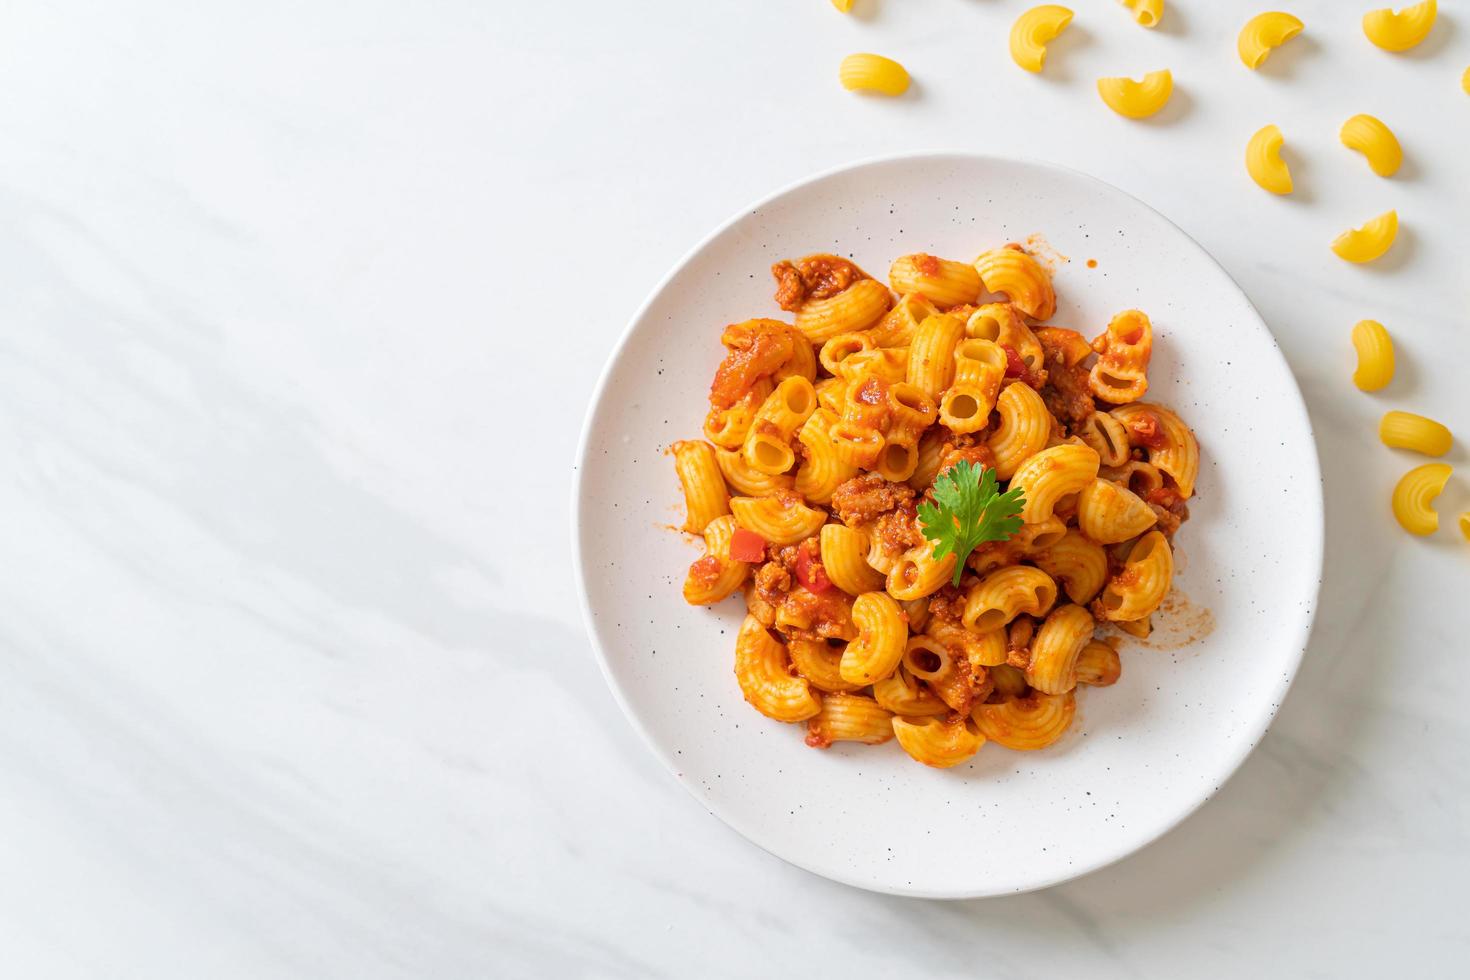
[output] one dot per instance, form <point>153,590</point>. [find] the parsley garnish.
<point>969,512</point>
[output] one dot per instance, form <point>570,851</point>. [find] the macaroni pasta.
<point>1146,12</point>
<point>1370,137</point>
<point>705,496</point>
<point>1031,32</point>
<point>826,439</point>
<point>1263,161</point>
<point>1401,30</point>
<point>941,281</point>
<point>849,718</point>
<point>1262,33</point>
<point>1370,241</point>
<point>873,73</point>
<point>1405,430</point>
<point>1014,273</point>
<point>1140,99</point>
<point>1375,355</point>
<point>1413,497</point>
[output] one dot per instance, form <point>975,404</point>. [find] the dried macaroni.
<point>1375,355</point>
<point>1031,32</point>
<point>1262,33</point>
<point>1146,12</point>
<point>1405,430</point>
<point>873,73</point>
<point>1370,137</point>
<point>1366,243</point>
<point>1401,30</point>
<point>1263,161</point>
<point>1140,99</point>
<point>1413,497</point>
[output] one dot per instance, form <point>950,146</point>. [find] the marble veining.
<point>301,308</point>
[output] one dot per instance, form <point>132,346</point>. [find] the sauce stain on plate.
<point>1178,622</point>
<point>1044,252</point>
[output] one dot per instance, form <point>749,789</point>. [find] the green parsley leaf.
<point>969,512</point>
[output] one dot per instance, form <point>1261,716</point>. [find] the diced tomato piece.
<point>705,571</point>
<point>748,546</point>
<point>810,573</point>
<point>1146,431</point>
<point>1015,367</point>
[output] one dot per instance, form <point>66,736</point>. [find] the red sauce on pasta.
<point>755,349</point>
<point>872,392</point>
<point>706,570</point>
<point>1144,430</point>
<point>876,429</point>
<point>814,277</point>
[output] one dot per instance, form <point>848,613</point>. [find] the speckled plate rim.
<point>581,504</point>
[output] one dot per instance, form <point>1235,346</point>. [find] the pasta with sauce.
<point>830,435</point>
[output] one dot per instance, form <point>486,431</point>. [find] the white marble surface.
<point>292,681</point>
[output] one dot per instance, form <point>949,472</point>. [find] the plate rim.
<point>580,504</point>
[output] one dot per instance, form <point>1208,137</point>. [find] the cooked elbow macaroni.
<point>1025,425</point>
<point>849,718</point>
<point>1055,648</point>
<point>705,496</point>
<point>821,471</point>
<point>1052,474</point>
<point>767,446</point>
<point>1401,30</point>
<point>715,576</point>
<point>1031,32</point>
<point>779,519</point>
<point>855,308</point>
<point>1169,444</point>
<point>827,431</point>
<point>943,282</point>
<point>1264,32</point>
<point>1098,665</point>
<point>1263,161</point>
<point>979,369</point>
<point>761,670</point>
<point>1075,560</point>
<point>931,355</point>
<point>941,743</point>
<point>1121,372</point>
<point>1028,722</point>
<point>1136,591</point>
<point>1110,513</point>
<point>1016,274</point>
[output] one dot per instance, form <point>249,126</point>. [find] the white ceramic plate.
<point>1142,754</point>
